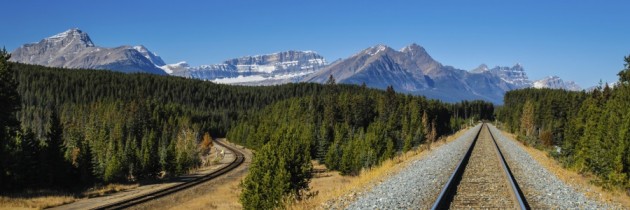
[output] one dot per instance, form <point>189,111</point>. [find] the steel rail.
<point>517,194</point>
<point>238,160</point>
<point>449,190</point>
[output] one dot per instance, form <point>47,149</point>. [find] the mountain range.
<point>409,70</point>
<point>276,68</point>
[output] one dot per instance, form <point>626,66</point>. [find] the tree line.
<point>588,131</point>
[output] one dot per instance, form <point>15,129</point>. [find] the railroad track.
<point>238,160</point>
<point>482,180</point>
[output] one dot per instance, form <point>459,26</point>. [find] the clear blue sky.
<point>584,41</point>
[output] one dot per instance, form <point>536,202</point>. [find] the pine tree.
<point>331,80</point>
<point>54,164</point>
<point>624,75</point>
<point>282,167</point>
<point>9,98</point>
<point>9,105</point>
<point>267,181</point>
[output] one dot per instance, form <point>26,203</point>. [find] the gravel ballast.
<point>417,186</point>
<point>542,189</point>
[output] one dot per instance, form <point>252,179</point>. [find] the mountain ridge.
<point>267,69</point>
<point>74,49</point>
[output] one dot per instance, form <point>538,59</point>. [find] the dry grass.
<point>330,185</point>
<point>580,182</point>
<point>108,189</point>
<point>44,198</point>
<point>34,200</point>
<point>223,196</point>
<point>221,193</point>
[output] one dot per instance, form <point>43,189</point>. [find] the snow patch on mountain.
<point>554,82</point>
<point>260,78</point>
<point>376,49</point>
<point>176,67</point>
<point>154,58</point>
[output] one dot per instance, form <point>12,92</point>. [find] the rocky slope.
<point>413,70</point>
<point>74,49</point>
<point>554,82</point>
<point>276,68</point>
<point>516,76</point>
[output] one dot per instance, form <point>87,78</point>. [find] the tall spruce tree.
<point>9,105</point>
<point>54,165</point>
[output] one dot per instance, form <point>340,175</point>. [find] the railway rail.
<point>482,179</point>
<point>238,160</point>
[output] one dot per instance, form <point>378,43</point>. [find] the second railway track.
<point>238,160</point>
<point>482,180</point>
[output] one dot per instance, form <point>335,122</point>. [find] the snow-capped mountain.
<point>514,75</point>
<point>413,70</point>
<point>378,66</point>
<point>554,82</point>
<point>74,49</point>
<point>154,58</point>
<point>276,68</point>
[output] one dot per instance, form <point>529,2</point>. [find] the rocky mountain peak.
<point>414,49</point>
<point>141,48</point>
<point>480,69</point>
<point>518,67</point>
<point>376,49</point>
<point>71,36</point>
<point>555,82</point>
<point>73,48</point>
<point>154,58</point>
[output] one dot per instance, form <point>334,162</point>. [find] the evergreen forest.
<point>588,131</point>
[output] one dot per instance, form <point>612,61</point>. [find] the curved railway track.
<point>482,180</point>
<point>238,160</point>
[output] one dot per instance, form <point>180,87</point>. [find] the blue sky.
<point>584,41</point>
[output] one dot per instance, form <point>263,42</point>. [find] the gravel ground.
<point>542,189</point>
<point>417,186</point>
<point>483,184</point>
